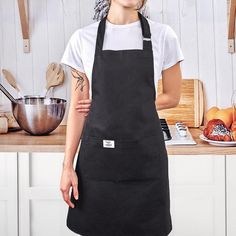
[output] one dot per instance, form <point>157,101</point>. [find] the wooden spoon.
<point>12,81</point>
<point>55,76</point>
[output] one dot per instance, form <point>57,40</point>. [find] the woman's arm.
<point>75,120</point>
<point>171,82</point>
<point>75,123</point>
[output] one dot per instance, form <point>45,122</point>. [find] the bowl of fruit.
<point>220,129</point>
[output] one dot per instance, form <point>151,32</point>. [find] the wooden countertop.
<point>20,141</point>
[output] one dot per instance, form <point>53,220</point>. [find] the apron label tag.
<point>108,143</point>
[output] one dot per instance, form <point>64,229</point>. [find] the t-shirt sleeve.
<point>72,54</point>
<point>172,50</point>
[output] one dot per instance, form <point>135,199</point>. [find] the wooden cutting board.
<point>190,108</point>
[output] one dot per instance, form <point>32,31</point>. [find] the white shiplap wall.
<point>201,26</point>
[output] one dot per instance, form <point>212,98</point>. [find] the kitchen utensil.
<point>11,98</point>
<point>12,81</point>
<point>54,76</point>
<point>165,129</point>
<point>24,20</point>
<point>190,107</point>
<point>37,115</point>
<point>233,102</point>
<point>177,139</point>
<point>181,128</point>
<point>217,143</point>
<point>231,24</point>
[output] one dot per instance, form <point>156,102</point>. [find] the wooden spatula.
<point>12,81</point>
<point>54,76</point>
<point>231,23</point>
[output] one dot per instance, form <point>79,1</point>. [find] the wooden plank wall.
<point>201,26</point>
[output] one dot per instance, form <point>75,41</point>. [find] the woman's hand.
<point>83,106</point>
<point>69,178</point>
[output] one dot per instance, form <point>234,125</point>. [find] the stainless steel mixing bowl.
<point>37,115</point>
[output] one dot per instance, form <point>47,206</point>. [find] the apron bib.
<point>122,165</point>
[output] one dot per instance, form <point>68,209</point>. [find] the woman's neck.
<point>120,15</point>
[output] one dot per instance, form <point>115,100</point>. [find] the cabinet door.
<point>231,194</point>
<point>8,194</point>
<point>42,210</point>
<point>197,189</point>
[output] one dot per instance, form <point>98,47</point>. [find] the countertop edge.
<point>55,142</point>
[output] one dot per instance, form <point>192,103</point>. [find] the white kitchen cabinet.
<point>8,194</point>
<point>197,191</point>
<point>31,203</point>
<point>231,194</point>
<point>42,212</point>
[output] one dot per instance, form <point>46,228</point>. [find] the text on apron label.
<point>108,143</point>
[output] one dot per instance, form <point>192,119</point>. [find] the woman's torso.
<point>120,37</point>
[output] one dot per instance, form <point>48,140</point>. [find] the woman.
<point>120,183</point>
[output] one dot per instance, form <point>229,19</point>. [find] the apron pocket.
<point>128,160</point>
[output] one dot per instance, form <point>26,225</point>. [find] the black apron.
<point>122,165</point>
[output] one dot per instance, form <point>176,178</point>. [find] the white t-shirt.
<point>80,50</point>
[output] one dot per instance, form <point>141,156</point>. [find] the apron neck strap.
<point>147,45</point>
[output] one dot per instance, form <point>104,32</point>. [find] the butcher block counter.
<point>20,141</point>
